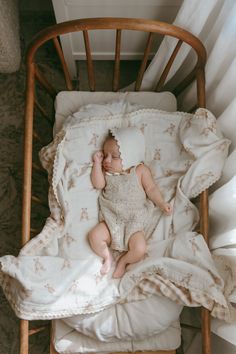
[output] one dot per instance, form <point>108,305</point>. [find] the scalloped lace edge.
<point>119,145</point>
<point>207,185</point>
<point>55,168</point>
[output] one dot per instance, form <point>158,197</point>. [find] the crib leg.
<point>52,349</point>
<point>24,337</point>
<point>149,352</point>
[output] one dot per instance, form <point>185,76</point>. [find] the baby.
<point>125,210</point>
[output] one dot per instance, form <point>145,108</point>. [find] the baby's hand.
<point>98,156</point>
<point>166,208</point>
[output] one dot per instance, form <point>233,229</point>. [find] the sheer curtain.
<point>214,22</point>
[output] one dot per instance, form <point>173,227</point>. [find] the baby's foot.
<point>119,271</point>
<point>106,264</point>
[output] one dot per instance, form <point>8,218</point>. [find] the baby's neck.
<point>117,173</point>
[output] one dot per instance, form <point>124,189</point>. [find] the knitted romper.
<point>125,208</point>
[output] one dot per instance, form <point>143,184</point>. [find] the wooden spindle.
<point>43,112</point>
<point>33,331</point>
<point>206,331</point>
<point>24,337</point>
<point>201,94</point>
<point>39,169</point>
<point>144,62</point>
<point>163,77</point>
<point>63,63</point>
<point>38,201</point>
<point>28,145</point>
<point>44,82</point>
<point>89,61</point>
<point>116,76</point>
<point>185,83</point>
<point>204,222</point>
<point>37,137</point>
<point>34,232</point>
<point>206,320</point>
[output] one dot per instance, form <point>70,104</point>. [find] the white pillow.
<point>224,330</point>
<point>226,123</point>
<point>229,169</point>
<point>67,103</point>
<point>222,211</point>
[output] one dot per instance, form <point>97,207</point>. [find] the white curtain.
<point>214,22</point>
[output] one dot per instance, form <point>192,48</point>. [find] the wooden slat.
<point>44,82</point>
<point>38,201</point>
<point>201,94</point>
<point>204,222</point>
<point>24,337</point>
<point>116,76</point>
<point>37,137</point>
<point>34,232</point>
<point>206,331</point>
<point>89,61</point>
<point>63,63</point>
<point>28,143</point>
<point>144,62</point>
<point>44,113</point>
<point>206,319</point>
<point>185,83</point>
<point>168,66</point>
<point>33,331</point>
<point>39,169</point>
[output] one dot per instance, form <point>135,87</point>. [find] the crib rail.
<point>35,76</point>
<point>119,24</point>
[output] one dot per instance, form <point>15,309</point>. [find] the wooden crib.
<point>38,81</point>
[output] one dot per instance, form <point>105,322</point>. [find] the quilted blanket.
<point>57,275</point>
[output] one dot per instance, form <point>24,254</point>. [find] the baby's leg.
<point>99,238</point>
<point>136,252</point>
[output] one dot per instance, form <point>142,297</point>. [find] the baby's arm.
<point>152,190</point>
<point>97,176</point>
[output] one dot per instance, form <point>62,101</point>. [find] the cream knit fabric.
<point>125,208</point>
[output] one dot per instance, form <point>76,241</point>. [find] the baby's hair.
<point>108,137</point>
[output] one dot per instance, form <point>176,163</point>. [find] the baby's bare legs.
<point>99,238</point>
<point>136,252</point>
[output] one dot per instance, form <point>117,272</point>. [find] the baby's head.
<point>112,161</point>
<point>123,149</point>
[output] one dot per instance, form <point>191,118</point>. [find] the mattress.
<point>67,340</point>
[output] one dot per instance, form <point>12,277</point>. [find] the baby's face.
<point>111,161</point>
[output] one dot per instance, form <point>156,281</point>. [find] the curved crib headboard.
<point>120,24</point>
